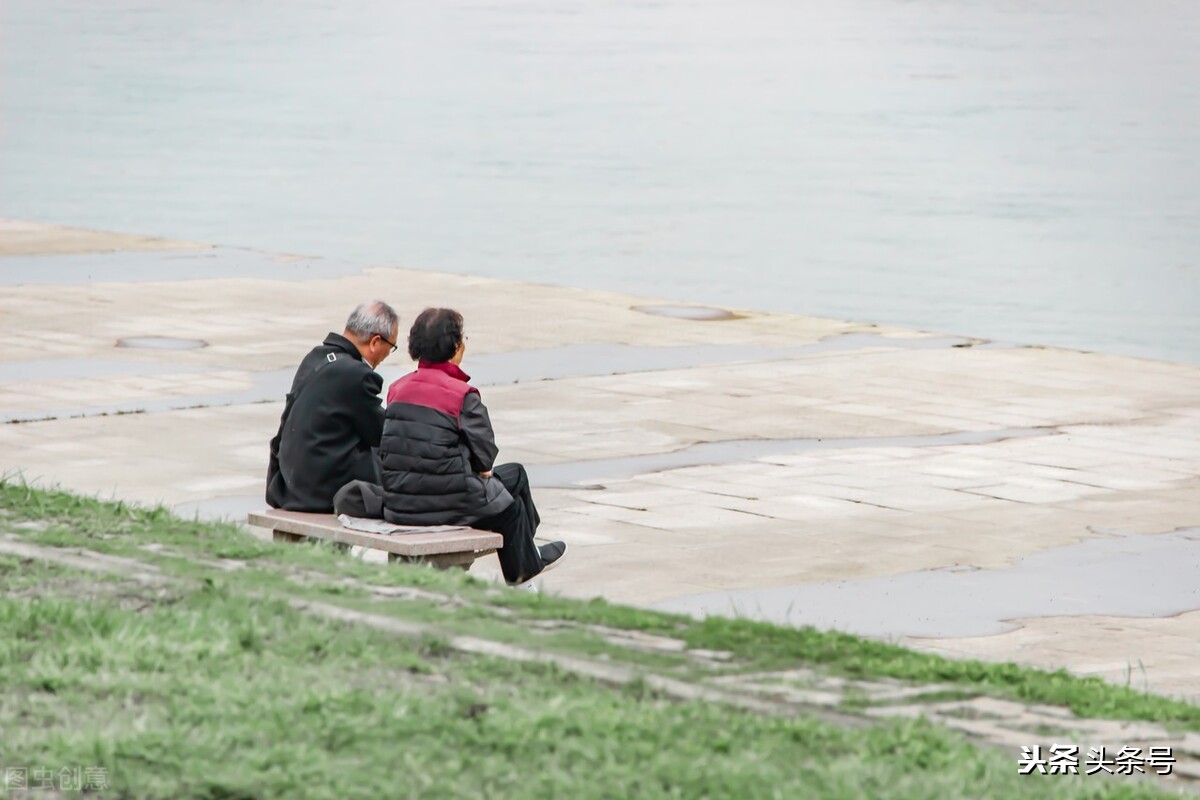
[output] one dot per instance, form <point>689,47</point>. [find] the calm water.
<point>1019,170</point>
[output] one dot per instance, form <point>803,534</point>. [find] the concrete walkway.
<point>964,497</point>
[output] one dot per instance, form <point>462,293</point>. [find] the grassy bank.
<point>185,669</point>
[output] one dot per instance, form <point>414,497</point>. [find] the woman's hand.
<point>487,474</point>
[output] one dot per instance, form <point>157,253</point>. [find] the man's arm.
<point>476,427</point>
<point>368,419</point>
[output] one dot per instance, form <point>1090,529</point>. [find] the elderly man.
<point>333,418</point>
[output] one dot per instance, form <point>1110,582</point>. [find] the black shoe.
<point>551,554</point>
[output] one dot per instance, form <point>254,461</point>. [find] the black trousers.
<point>519,558</point>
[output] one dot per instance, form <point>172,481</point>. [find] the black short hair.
<point>435,335</point>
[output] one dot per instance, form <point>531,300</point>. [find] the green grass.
<point>214,697</point>
<point>121,528</point>
<point>212,686</point>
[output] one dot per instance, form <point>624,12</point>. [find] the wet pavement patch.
<point>1119,574</point>
<point>161,343</point>
<point>572,474</point>
<point>265,387</point>
<point>87,368</point>
<point>491,369</point>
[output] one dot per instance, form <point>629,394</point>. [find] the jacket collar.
<point>342,343</point>
<point>445,366</point>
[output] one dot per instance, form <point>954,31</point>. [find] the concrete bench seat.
<point>442,549</point>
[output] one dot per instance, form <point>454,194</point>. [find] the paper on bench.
<point>385,527</point>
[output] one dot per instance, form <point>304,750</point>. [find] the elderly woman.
<point>438,452</point>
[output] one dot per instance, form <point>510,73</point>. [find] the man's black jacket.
<point>332,419</point>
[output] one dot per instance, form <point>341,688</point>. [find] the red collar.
<point>445,366</point>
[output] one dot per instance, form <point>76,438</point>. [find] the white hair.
<point>374,318</point>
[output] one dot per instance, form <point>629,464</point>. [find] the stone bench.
<point>442,549</point>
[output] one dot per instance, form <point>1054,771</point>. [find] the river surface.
<point>1023,171</point>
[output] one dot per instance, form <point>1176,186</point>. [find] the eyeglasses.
<point>391,344</point>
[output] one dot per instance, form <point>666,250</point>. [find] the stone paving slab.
<point>849,481</point>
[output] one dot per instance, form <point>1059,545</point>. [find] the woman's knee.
<point>512,476</point>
